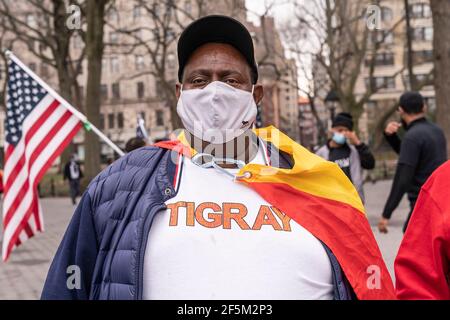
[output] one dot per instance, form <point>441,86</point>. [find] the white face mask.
<point>217,113</point>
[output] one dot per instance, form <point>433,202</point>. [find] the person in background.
<point>422,266</point>
<point>347,151</point>
<point>134,143</point>
<point>73,173</point>
<point>421,151</point>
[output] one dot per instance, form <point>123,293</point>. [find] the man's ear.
<point>258,93</point>
<point>400,110</point>
<point>178,90</point>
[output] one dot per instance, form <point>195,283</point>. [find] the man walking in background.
<point>72,172</point>
<point>421,151</point>
<point>347,151</point>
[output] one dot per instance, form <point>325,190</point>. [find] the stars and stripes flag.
<point>38,127</point>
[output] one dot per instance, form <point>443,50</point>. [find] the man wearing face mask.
<point>422,149</point>
<point>345,149</point>
<point>224,211</point>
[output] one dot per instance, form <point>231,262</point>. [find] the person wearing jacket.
<point>219,213</point>
<point>422,265</point>
<point>422,150</point>
<point>73,174</point>
<point>347,151</point>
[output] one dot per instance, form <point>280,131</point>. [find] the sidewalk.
<point>23,276</point>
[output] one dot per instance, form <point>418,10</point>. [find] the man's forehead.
<point>215,54</point>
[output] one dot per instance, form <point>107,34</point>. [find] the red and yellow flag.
<point>318,195</point>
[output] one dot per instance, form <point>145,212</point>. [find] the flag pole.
<point>88,125</point>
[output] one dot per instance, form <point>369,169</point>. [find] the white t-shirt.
<point>219,239</point>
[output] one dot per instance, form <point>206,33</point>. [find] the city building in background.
<point>390,76</point>
<point>132,88</point>
<point>391,72</point>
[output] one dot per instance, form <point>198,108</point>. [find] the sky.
<point>281,9</point>
<point>282,12</point>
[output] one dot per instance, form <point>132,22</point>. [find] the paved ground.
<point>22,277</point>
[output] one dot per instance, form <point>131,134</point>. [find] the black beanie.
<point>343,119</point>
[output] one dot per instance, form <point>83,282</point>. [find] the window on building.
<point>113,16</point>
<point>111,120</point>
<point>102,121</point>
<point>120,120</point>
<point>423,34</point>
<point>423,78</point>
<point>430,102</point>
<point>139,62</point>
<point>104,91</point>
<point>188,7</point>
<point>116,90</point>
<point>159,86</point>
<point>420,10</point>
<point>155,9</point>
<point>159,118</point>
<point>381,36</point>
<point>422,56</point>
<point>136,12</point>
<point>113,37</point>
<point>140,89</point>
<point>114,64</point>
<point>31,20</point>
<point>371,105</point>
<point>170,35</point>
<point>44,70</point>
<point>387,14</point>
<point>171,63</point>
<point>381,83</point>
<point>382,59</point>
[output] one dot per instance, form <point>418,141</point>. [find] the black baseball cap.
<point>220,29</point>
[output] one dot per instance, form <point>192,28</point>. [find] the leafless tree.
<point>165,21</point>
<point>40,26</point>
<point>95,19</point>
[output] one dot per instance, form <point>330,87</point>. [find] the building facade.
<point>132,86</point>
<point>391,72</point>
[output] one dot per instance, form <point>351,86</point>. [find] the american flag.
<point>38,127</point>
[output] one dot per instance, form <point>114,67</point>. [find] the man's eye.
<point>231,81</point>
<point>198,81</point>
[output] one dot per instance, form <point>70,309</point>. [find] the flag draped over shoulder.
<point>317,195</point>
<point>37,129</point>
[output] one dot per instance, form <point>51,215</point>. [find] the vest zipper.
<point>143,236</point>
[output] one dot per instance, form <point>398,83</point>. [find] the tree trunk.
<point>94,51</point>
<point>61,59</point>
<point>409,51</point>
<point>441,47</point>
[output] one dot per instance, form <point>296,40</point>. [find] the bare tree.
<point>441,44</point>
<point>95,16</point>
<point>41,27</point>
<point>165,21</point>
